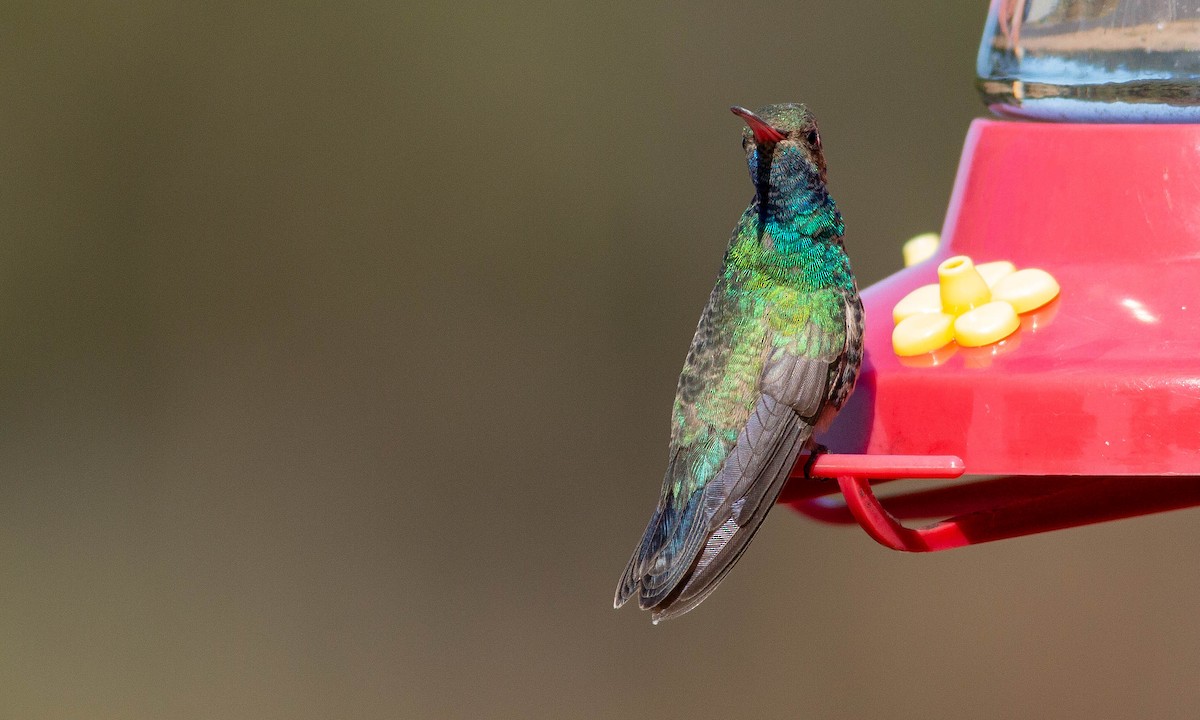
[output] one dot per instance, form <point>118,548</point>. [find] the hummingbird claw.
<point>813,455</point>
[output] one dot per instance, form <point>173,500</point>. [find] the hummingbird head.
<point>782,144</point>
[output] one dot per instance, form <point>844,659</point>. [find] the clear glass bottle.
<point>1092,60</point>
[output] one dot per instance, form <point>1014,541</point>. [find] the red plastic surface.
<point>1106,380</point>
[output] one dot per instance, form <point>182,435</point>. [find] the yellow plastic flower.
<point>971,305</point>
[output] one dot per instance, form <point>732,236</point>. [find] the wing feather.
<point>692,542</point>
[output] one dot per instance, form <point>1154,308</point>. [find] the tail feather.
<point>689,547</point>
<point>726,545</point>
<point>673,538</point>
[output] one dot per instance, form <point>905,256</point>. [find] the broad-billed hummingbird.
<point>775,355</point>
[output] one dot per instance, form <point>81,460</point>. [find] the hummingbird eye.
<point>813,138</point>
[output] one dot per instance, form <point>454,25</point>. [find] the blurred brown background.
<point>337,345</point>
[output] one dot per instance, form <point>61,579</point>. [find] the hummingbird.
<point>775,356</point>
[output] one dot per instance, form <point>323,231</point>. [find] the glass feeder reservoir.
<point>1092,60</point>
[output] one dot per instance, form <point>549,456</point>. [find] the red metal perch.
<point>981,510</point>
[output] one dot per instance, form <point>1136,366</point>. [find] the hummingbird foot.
<point>816,450</point>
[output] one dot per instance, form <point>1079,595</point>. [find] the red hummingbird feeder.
<point>1090,411</point>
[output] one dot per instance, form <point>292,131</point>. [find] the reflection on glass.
<point>1092,60</point>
